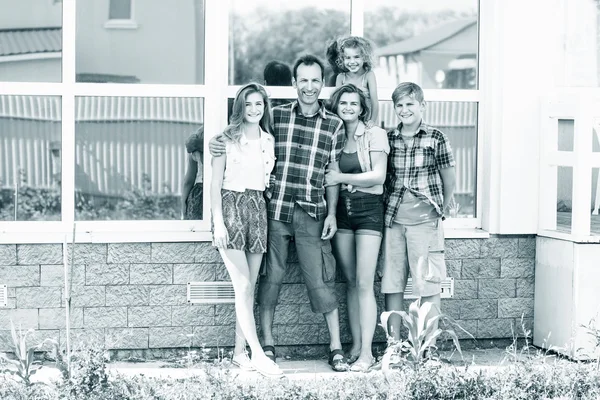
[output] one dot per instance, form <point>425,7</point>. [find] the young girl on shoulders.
<point>355,58</point>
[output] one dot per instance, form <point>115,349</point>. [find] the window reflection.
<point>458,120</point>
<point>434,44</point>
<point>30,41</point>
<point>265,30</point>
<point>140,42</point>
<point>131,157</point>
<point>30,158</point>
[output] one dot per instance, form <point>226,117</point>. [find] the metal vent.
<point>3,295</point>
<point>210,292</point>
<point>447,289</point>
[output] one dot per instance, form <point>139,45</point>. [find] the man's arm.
<point>331,197</point>
<point>448,176</point>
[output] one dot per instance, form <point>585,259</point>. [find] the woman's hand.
<point>333,177</point>
<point>220,236</point>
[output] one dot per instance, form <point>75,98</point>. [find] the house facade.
<point>92,158</point>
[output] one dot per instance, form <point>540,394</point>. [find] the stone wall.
<point>133,295</point>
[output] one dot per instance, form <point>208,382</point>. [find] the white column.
<point>582,168</point>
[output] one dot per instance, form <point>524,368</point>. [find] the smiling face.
<point>254,108</point>
<point>409,111</point>
<point>349,108</point>
<point>353,59</point>
<point>308,83</point>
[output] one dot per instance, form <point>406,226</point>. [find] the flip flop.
<point>272,356</point>
<point>339,364</point>
<point>362,366</point>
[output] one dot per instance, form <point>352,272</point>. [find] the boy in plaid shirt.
<point>419,186</point>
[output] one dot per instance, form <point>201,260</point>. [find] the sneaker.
<point>242,361</point>
<point>266,367</point>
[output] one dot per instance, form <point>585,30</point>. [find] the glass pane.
<point>265,30</point>
<point>596,136</point>
<point>595,218</point>
<point>131,159</point>
<point>120,9</point>
<point>30,41</point>
<point>458,120</point>
<point>564,195</point>
<point>30,158</point>
<point>159,45</point>
<point>566,131</point>
<point>582,43</point>
<point>434,44</point>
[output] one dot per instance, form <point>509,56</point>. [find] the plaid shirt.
<point>304,145</point>
<point>417,168</point>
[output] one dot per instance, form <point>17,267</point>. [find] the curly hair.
<point>195,141</point>
<point>356,42</point>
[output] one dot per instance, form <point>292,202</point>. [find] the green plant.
<point>423,331</point>
<point>88,370</point>
<point>593,330</point>
<point>24,363</point>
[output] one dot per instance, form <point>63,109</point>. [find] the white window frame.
<point>121,23</point>
<point>215,105</point>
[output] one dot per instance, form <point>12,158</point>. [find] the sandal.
<point>339,364</point>
<point>362,366</point>
<point>272,356</point>
<point>352,358</point>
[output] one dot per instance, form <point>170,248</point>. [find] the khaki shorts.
<point>418,249</point>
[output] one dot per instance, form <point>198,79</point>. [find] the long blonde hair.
<point>233,132</point>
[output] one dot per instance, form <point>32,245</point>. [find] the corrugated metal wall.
<point>118,139</point>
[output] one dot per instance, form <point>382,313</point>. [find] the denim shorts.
<point>360,211</point>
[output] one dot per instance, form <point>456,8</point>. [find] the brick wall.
<point>133,296</point>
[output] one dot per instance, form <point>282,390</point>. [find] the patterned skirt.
<point>194,202</point>
<point>245,217</point>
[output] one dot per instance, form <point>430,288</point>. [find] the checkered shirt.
<point>304,145</point>
<point>416,169</point>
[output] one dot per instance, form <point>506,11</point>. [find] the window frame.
<point>215,104</point>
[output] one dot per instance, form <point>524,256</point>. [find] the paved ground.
<point>304,369</point>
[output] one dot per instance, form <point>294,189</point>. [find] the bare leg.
<point>239,271</point>
<point>393,302</point>
<point>367,250</point>
<point>345,255</point>
<point>333,324</point>
<point>254,261</point>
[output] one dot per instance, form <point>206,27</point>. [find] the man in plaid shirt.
<point>308,139</point>
<point>419,186</point>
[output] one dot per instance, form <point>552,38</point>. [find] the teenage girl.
<point>239,212</point>
<point>355,58</point>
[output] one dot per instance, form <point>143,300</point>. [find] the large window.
<point>434,44</point>
<point>265,30</point>
<point>94,125</point>
<point>30,41</point>
<point>30,158</point>
<point>130,156</point>
<point>163,44</point>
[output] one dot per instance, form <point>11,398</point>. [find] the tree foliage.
<point>267,35</point>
